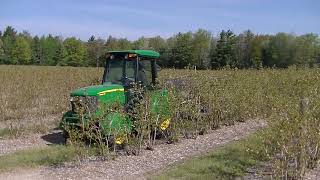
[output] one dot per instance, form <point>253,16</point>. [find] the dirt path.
<point>29,141</point>
<point>135,167</point>
<point>313,174</point>
<point>24,142</point>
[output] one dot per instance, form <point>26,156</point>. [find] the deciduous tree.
<point>21,51</point>
<point>201,45</point>
<point>181,52</point>
<point>280,51</point>
<point>74,53</point>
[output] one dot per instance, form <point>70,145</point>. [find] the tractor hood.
<point>97,90</point>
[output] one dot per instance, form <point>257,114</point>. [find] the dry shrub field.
<point>29,94</point>
<point>289,99</point>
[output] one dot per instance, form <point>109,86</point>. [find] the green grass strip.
<point>50,155</point>
<point>227,162</point>
<point>5,132</point>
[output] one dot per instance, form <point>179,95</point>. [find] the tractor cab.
<point>131,67</point>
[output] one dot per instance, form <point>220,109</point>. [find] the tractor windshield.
<point>121,69</point>
<point>115,69</point>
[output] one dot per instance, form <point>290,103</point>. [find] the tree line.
<point>200,48</point>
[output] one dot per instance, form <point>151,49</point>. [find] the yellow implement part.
<point>119,140</point>
<point>165,124</point>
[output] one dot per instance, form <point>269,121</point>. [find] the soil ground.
<point>129,167</point>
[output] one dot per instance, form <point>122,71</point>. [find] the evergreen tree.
<point>9,32</point>
<point>1,48</point>
<point>36,54</point>
<point>213,48</point>
<point>225,51</point>
<point>2,55</point>
<point>59,54</point>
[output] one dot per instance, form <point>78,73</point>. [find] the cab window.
<point>130,67</point>
<point>114,71</point>
<point>144,72</point>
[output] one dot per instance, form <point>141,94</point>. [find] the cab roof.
<point>142,53</point>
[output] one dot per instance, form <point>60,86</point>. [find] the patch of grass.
<point>227,162</point>
<point>51,155</point>
<point>4,132</point>
<point>9,132</point>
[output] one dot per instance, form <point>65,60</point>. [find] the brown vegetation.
<point>289,99</point>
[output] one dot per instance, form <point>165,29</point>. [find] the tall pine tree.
<point>225,51</point>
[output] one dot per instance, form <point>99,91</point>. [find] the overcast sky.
<point>135,18</point>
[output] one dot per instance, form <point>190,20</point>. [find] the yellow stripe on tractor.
<point>109,91</point>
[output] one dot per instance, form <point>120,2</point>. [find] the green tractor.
<point>124,71</point>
